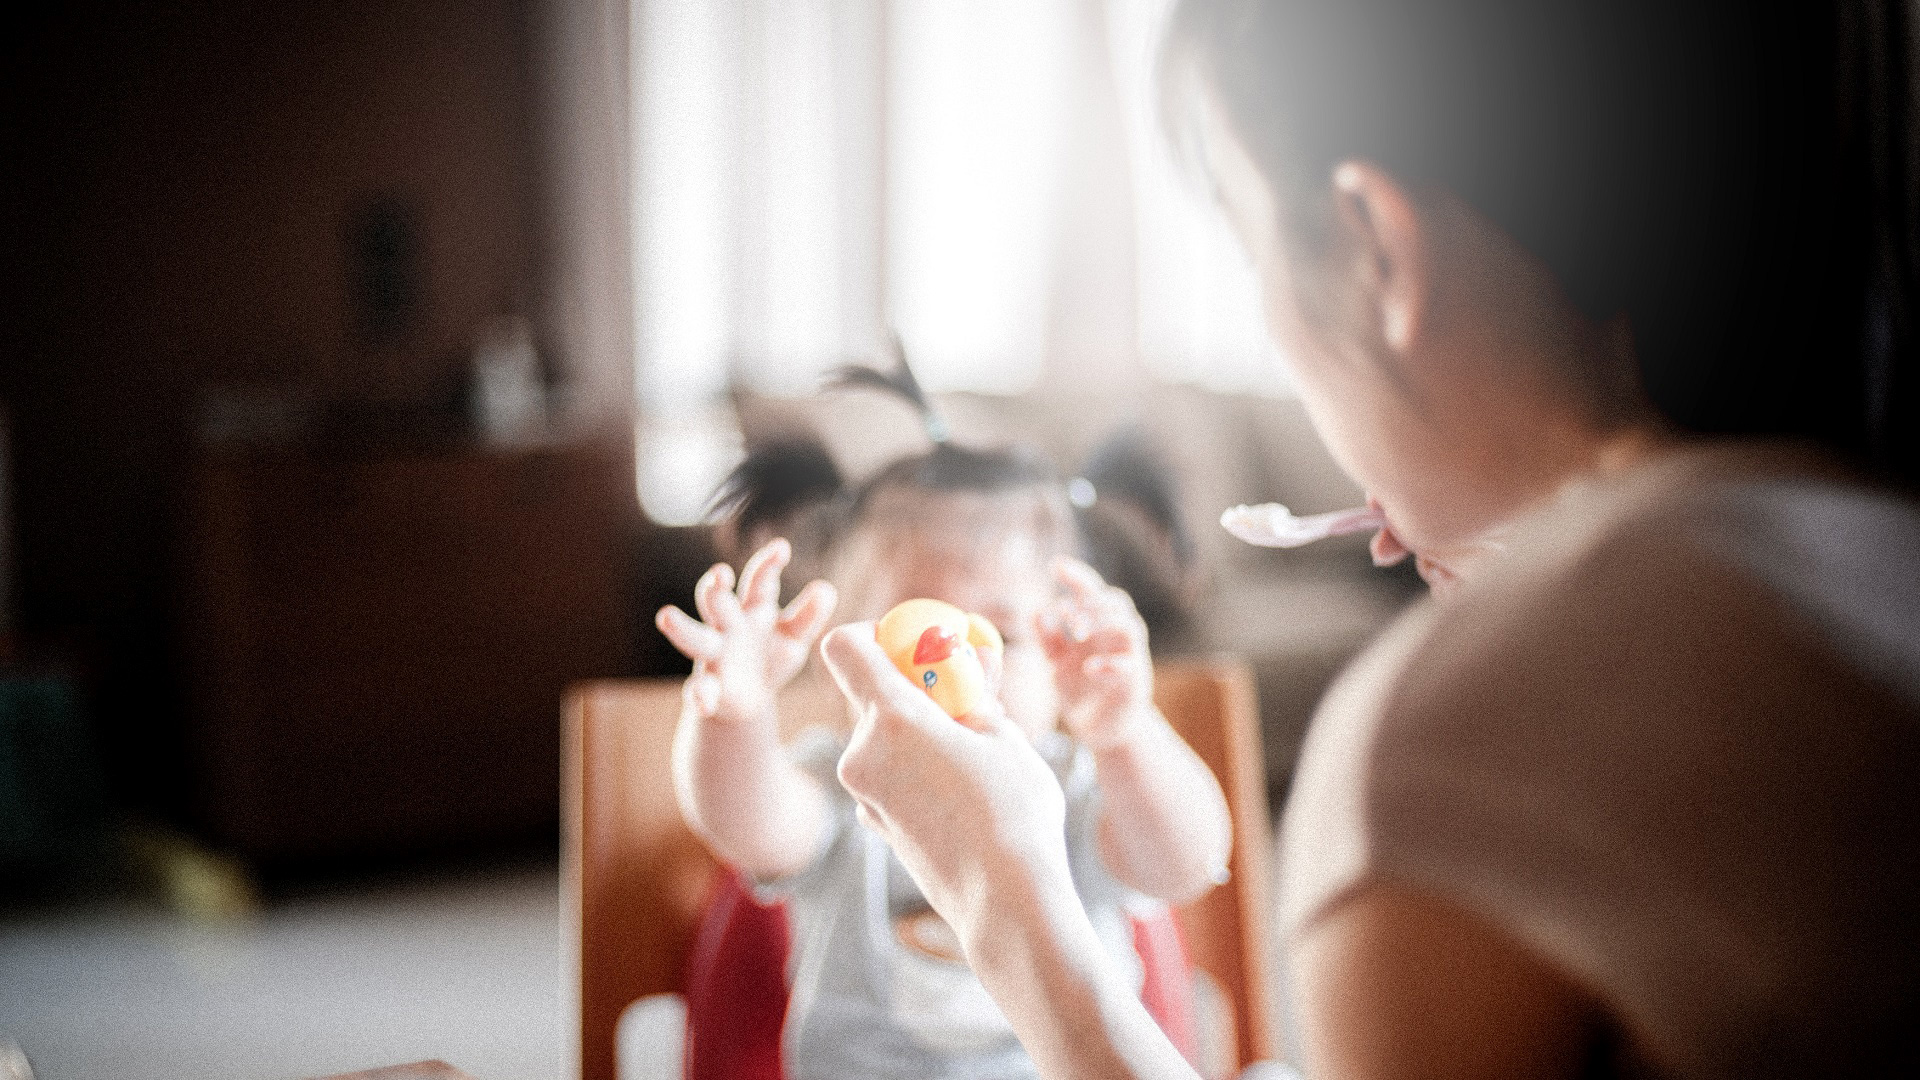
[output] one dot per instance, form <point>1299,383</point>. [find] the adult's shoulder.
<point>1663,748</point>
<point>1644,592</point>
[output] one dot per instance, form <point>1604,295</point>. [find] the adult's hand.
<point>971,809</point>
<point>979,821</point>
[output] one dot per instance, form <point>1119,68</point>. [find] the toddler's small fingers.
<point>1117,603</point>
<point>1108,640</point>
<point>716,582</point>
<point>760,580</point>
<point>1113,665</point>
<point>808,614</point>
<point>726,602</point>
<point>1081,581</point>
<point>696,639</point>
<point>702,693</point>
<point>1047,629</point>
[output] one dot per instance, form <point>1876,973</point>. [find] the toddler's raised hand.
<point>748,647</point>
<point>1098,644</point>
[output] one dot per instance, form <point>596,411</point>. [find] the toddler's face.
<point>975,552</point>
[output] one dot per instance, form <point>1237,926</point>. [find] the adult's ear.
<point>1389,254</point>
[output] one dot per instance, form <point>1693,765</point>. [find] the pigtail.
<point>1126,466</point>
<point>780,477</point>
<point>1127,504</point>
<point>949,467</point>
<point>900,383</point>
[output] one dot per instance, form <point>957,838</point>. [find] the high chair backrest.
<point>636,878</point>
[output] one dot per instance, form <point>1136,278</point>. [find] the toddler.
<point>878,985</point>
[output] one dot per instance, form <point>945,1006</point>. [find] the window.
<point>810,174</point>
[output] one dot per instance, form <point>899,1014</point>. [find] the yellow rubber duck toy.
<point>943,649</point>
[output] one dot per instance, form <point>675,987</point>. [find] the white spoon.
<point>1273,525</point>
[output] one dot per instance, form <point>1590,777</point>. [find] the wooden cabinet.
<point>380,644</point>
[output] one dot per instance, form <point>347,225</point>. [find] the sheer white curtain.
<point>1198,310</point>
<point>810,173</point>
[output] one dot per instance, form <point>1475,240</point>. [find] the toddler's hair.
<point>792,477</point>
<point>1133,533</point>
<point>781,477</point>
<point>789,485</point>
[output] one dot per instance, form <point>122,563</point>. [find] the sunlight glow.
<point>808,175</point>
<point>976,136</point>
<point>1199,304</point>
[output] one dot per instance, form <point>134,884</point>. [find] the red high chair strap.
<point>1167,991</point>
<point>736,986</point>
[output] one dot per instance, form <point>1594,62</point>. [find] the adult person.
<point>1631,794</point>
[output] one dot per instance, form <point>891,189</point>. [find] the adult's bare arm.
<point>1396,984</point>
<point>977,818</point>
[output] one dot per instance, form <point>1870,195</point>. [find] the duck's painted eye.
<point>929,677</point>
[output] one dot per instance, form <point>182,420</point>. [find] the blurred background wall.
<point>259,257</point>
<point>366,366</point>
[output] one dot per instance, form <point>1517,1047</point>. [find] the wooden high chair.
<point>636,877</point>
